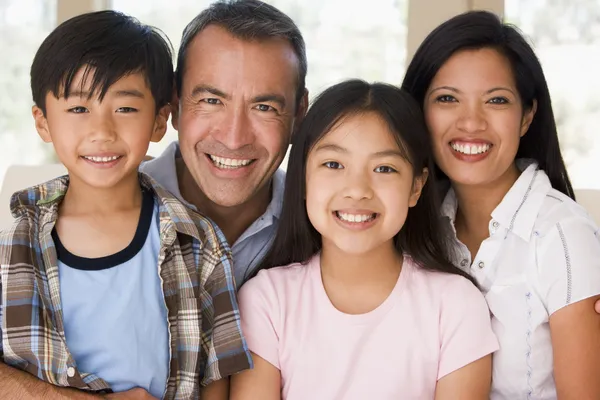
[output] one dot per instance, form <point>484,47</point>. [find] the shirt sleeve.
<point>260,311</point>
<point>568,261</point>
<point>222,338</point>
<point>465,327</point>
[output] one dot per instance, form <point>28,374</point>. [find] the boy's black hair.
<point>424,236</point>
<point>109,45</point>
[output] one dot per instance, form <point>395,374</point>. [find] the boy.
<point>108,283</point>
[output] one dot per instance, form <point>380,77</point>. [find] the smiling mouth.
<point>470,148</point>
<point>101,160</point>
<point>355,218</point>
<point>229,163</point>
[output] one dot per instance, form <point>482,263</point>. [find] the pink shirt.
<point>430,325</point>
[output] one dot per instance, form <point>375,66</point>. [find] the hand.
<point>133,394</point>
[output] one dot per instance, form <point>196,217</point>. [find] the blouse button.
<point>464,263</point>
<point>70,372</point>
<point>481,264</point>
<point>495,224</point>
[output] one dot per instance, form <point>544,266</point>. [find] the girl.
<point>516,227</point>
<point>366,304</point>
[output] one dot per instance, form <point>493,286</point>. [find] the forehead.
<point>473,68</point>
<point>362,133</point>
<point>217,58</point>
<point>84,79</point>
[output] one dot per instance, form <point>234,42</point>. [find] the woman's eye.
<point>333,165</point>
<point>385,169</point>
<point>445,98</point>
<point>498,100</point>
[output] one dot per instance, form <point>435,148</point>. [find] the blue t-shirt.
<point>115,317</point>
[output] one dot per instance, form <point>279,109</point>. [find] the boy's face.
<point>102,143</point>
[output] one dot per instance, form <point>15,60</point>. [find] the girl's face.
<point>358,185</point>
<point>475,117</point>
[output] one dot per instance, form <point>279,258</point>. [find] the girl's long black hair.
<point>482,29</point>
<point>424,235</point>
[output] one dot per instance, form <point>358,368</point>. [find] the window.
<point>566,36</point>
<point>23,26</point>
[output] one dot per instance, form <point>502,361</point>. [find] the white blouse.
<point>543,253</point>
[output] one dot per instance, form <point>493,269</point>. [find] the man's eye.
<point>264,108</point>
<point>78,110</point>
<point>333,165</point>
<point>212,101</point>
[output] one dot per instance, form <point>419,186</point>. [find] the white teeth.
<point>470,148</point>
<point>222,162</point>
<point>354,217</point>
<point>101,159</point>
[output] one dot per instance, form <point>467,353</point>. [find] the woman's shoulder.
<point>559,209</point>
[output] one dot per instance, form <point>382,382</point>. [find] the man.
<point>241,93</point>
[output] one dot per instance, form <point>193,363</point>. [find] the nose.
<point>358,186</point>
<point>235,129</point>
<point>472,119</point>
<point>102,128</point>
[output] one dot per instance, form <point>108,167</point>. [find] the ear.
<point>175,109</point>
<point>301,110</point>
<point>418,184</point>
<point>160,123</point>
<point>528,118</point>
<point>41,124</point>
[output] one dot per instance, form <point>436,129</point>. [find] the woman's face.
<point>476,118</point>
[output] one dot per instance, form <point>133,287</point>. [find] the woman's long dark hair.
<point>423,235</point>
<point>482,29</point>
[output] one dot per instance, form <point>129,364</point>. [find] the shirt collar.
<point>519,208</point>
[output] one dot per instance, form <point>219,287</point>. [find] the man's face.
<point>236,112</point>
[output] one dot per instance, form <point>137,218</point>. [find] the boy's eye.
<point>498,100</point>
<point>126,110</point>
<point>77,110</point>
<point>445,98</point>
<point>333,165</point>
<point>384,169</point>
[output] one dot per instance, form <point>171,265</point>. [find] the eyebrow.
<point>201,89</point>
<point>262,98</point>
<point>118,93</point>
<point>455,90</point>
<point>340,149</point>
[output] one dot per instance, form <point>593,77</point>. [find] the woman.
<point>534,252</point>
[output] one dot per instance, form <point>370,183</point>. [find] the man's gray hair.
<point>247,20</point>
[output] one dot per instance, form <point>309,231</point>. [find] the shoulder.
<point>280,282</point>
<point>440,284</point>
<point>558,209</point>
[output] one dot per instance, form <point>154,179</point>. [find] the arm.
<point>17,385</point>
<point>569,264</point>
<point>218,390</point>
<point>471,382</point>
<point>575,332</point>
<point>261,383</point>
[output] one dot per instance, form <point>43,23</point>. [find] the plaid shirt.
<point>195,266</point>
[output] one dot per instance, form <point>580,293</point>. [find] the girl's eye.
<point>333,165</point>
<point>445,98</point>
<point>78,110</point>
<point>498,100</point>
<point>384,169</point>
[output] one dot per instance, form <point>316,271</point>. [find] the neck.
<point>380,264</point>
<point>83,199</point>
<point>233,221</point>
<point>477,202</point>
